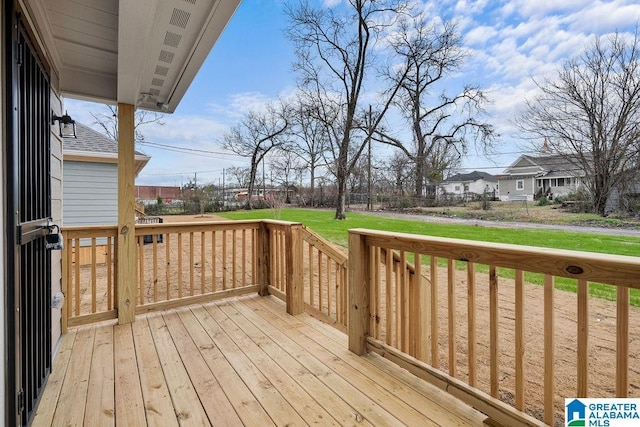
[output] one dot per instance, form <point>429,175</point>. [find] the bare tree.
<point>590,114</point>
<point>286,167</point>
<point>241,175</point>
<point>108,121</point>
<point>334,51</point>
<point>400,172</point>
<point>310,139</point>
<point>441,124</point>
<point>255,136</point>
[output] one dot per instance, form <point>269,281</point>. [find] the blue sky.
<point>511,42</point>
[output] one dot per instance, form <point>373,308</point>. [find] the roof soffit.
<point>140,52</point>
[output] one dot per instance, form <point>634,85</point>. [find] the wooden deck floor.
<point>241,361</point>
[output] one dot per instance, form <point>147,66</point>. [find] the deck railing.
<point>325,280</point>
<point>463,313</point>
<point>89,274</point>
<point>179,264</point>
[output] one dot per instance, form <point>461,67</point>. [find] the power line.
<point>188,150</point>
<point>180,173</point>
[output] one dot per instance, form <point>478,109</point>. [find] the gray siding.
<point>508,188</point>
<point>90,193</point>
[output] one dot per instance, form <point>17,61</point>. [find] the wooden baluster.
<point>311,288</point>
<point>388,266</point>
<point>435,358</point>
<point>191,265</point>
<point>549,344</point>
<point>141,272</point>
<point>214,264</point>
<point>451,301</point>
<point>622,342</point>
<point>243,266</point>
<point>520,350</point>
<point>234,258</point>
<point>224,259</point>
<point>94,277</point>
<point>167,266</point>
<point>203,252</point>
<point>583,339</point>
<point>179,265</point>
<point>109,274</point>
<point>77,279</point>
<point>154,240</point>
<point>493,332</point>
<point>471,323</point>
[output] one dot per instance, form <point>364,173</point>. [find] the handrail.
<point>414,316</point>
<point>325,268</point>
<point>181,263</point>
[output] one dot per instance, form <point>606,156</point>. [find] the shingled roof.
<point>91,141</point>
<point>92,146</point>
<point>472,176</point>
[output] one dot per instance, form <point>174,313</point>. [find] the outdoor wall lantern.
<point>66,124</point>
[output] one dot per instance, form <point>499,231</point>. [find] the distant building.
<point>469,186</point>
<point>148,194</point>
<point>531,177</point>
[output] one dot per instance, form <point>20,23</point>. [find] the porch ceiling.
<point>138,52</point>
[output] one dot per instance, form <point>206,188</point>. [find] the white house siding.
<point>90,193</point>
<point>477,187</point>
<point>56,212</point>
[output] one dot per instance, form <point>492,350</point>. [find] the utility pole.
<point>224,196</point>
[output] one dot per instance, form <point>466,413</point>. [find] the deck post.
<point>295,266</point>
<point>359,292</point>
<point>262,259</point>
<point>126,215</point>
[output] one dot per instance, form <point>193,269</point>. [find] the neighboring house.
<point>90,178</point>
<point>531,177</point>
<point>468,186</point>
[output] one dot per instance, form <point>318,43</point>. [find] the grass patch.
<point>322,222</point>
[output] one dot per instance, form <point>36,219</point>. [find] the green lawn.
<point>322,222</point>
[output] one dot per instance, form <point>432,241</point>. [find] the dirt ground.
<point>528,212</point>
<point>601,336</point>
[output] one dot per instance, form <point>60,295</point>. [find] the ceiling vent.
<point>161,71</point>
<point>157,82</point>
<point>180,18</point>
<point>166,56</point>
<point>172,39</point>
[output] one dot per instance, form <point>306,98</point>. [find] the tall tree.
<point>590,114</point>
<point>334,56</point>
<point>285,167</point>
<point>255,136</point>
<point>442,125</point>
<point>310,140</point>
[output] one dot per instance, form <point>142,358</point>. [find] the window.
<point>561,182</point>
<point>520,184</point>
<point>553,183</point>
<point>457,188</point>
<point>466,187</point>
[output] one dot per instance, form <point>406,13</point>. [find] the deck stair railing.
<point>470,321</point>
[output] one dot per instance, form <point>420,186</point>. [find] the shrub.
<point>543,201</point>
